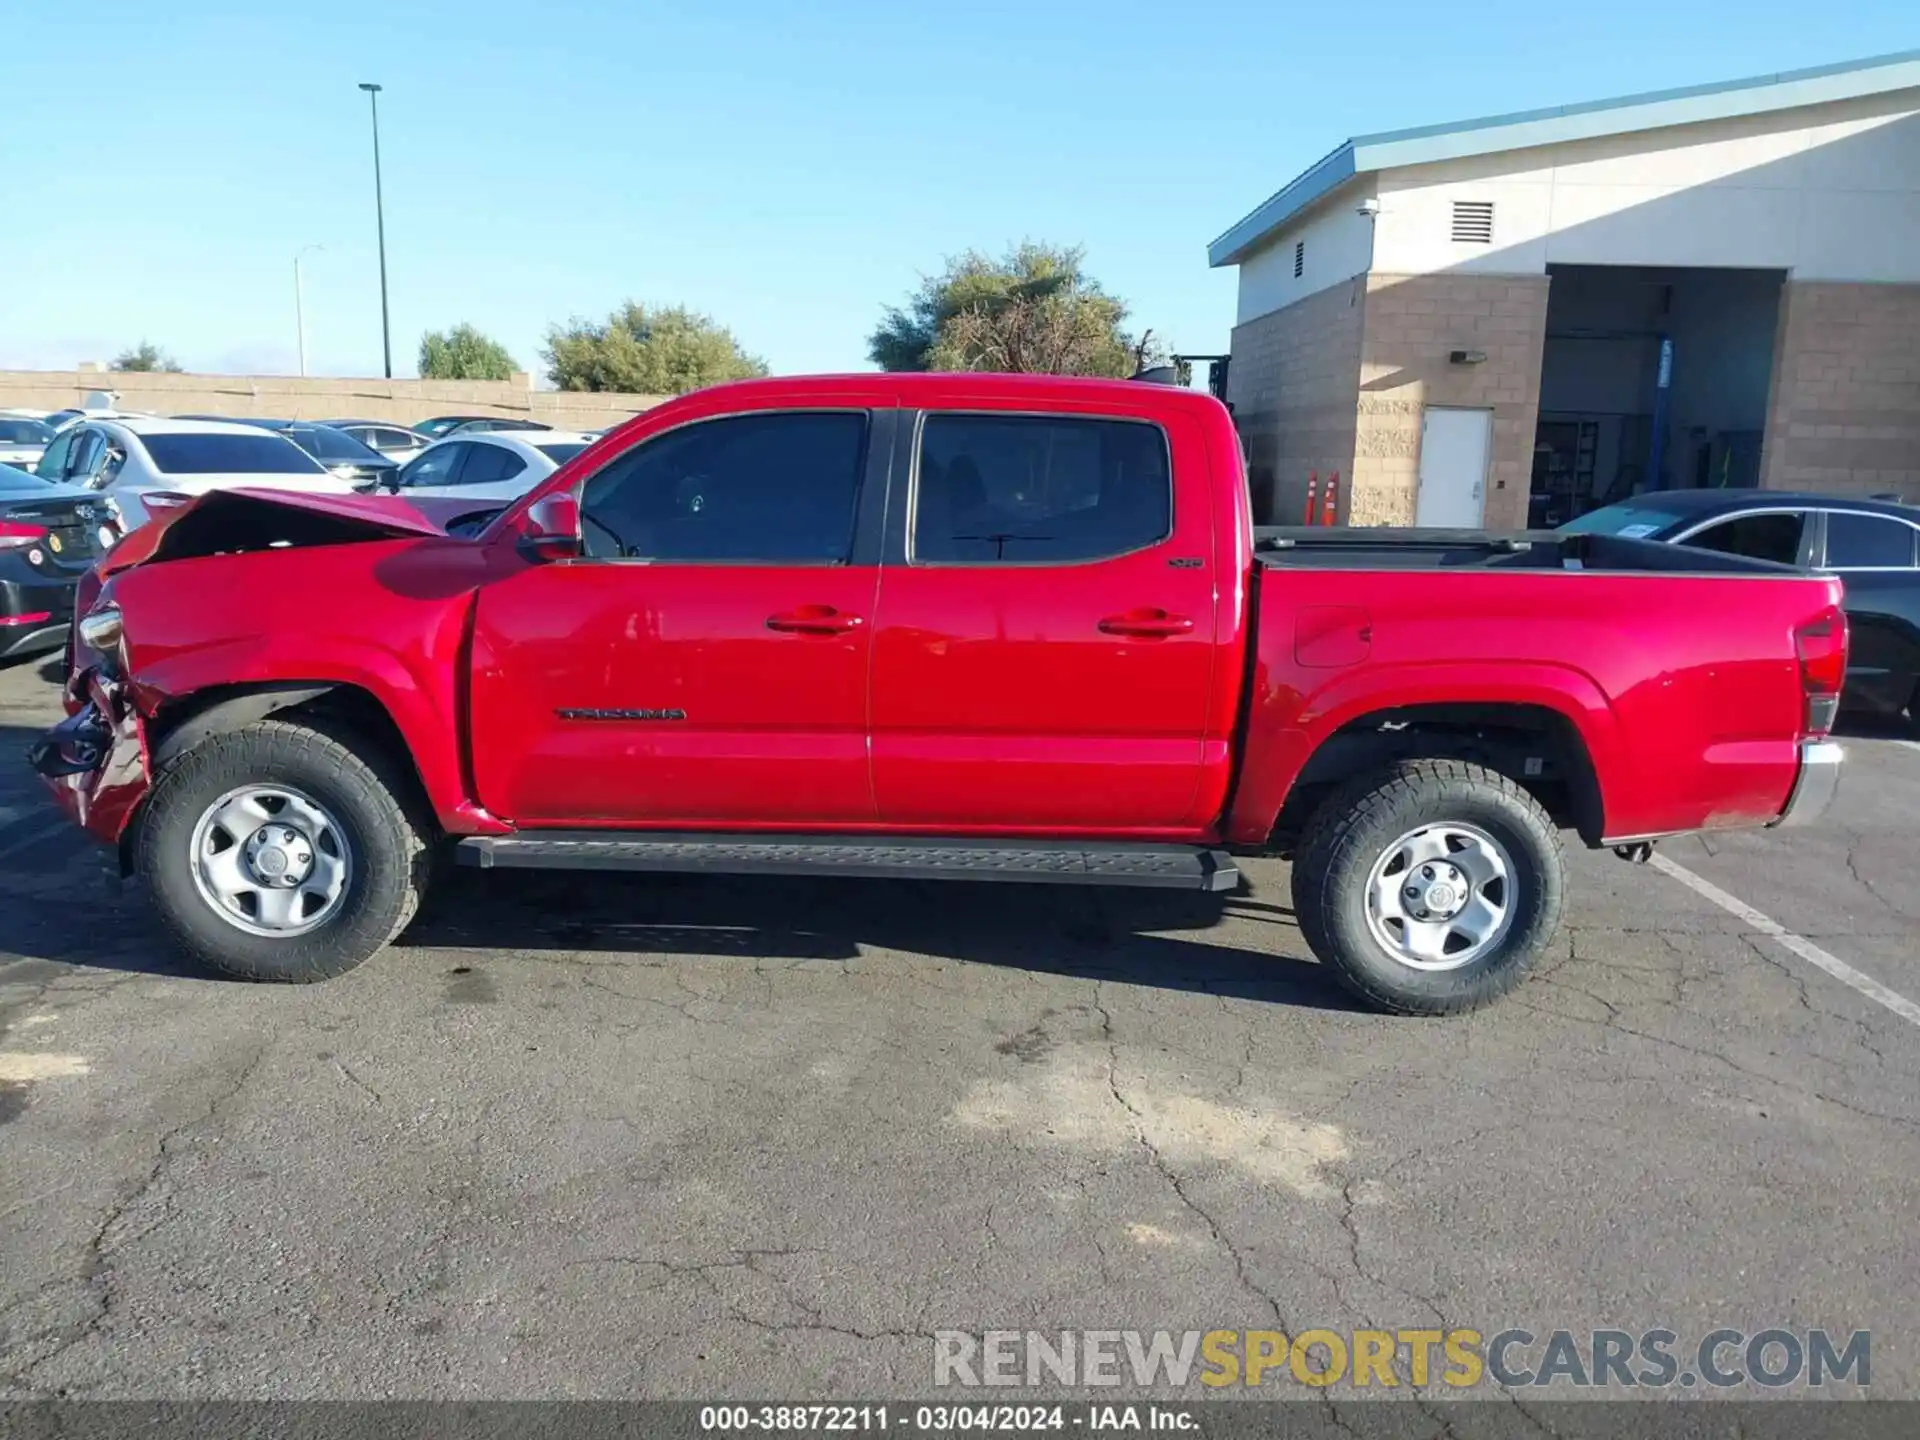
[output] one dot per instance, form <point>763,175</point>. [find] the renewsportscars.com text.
<point>1460,1359</point>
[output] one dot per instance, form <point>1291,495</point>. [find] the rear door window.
<point>1773,535</point>
<point>490,465</point>
<point>1013,489</point>
<point>1868,542</point>
<point>437,466</point>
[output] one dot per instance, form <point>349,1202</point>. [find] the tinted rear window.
<point>333,445</point>
<point>996,488</point>
<point>24,432</point>
<point>1867,542</point>
<point>1632,522</point>
<point>560,454</point>
<point>262,454</point>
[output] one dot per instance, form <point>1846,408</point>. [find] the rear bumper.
<point>34,614</point>
<point>1816,784</point>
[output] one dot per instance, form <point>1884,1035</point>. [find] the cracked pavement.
<point>711,1138</point>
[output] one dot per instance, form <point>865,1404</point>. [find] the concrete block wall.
<point>1413,323</point>
<point>1291,384</point>
<point>292,397</point>
<point>1843,410</point>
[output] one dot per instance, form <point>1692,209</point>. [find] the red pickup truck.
<point>963,627</point>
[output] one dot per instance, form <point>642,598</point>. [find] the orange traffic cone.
<point>1313,493</point>
<point>1327,511</point>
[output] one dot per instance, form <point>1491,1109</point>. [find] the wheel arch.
<point>1537,745</point>
<point>181,724</point>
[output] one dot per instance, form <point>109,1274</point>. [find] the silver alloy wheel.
<point>1441,896</point>
<point>271,861</point>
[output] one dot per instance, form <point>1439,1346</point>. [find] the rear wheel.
<point>281,852</point>
<point>1429,889</point>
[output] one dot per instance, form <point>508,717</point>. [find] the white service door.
<point>1454,448</point>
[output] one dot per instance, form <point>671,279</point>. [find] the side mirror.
<point>550,529</point>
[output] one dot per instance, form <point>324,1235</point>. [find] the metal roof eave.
<point>1324,177</point>
<point>1630,114</point>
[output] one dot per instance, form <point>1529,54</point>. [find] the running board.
<point>1170,867</point>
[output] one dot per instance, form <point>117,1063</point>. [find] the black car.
<point>1873,545</point>
<point>360,465</point>
<point>395,441</point>
<point>49,536</point>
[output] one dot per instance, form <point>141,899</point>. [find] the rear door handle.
<point>813,620</point>
<point>1147,624</point>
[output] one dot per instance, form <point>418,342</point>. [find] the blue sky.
<point>790,169</point>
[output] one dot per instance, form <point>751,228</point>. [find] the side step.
<point>1171,867</point>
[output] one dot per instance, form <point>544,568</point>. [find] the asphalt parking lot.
<point>717,1138</point>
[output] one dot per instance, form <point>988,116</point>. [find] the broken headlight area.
<point>78,745</point>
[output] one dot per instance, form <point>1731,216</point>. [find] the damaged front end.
<point>95,762</point>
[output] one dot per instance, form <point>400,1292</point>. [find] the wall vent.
<point>1299,258</point>
<point>1473,222</point>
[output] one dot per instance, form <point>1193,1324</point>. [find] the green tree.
<point>146,356</point>
<point>666,350</point>
<point>1033,310</point>
<point>463,353</point>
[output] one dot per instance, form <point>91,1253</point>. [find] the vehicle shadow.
<point>1106,933</point>
<point>1854,725</point>
<point>59,907</point>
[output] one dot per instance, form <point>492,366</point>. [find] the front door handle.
<point>813,620</point>
<point>1148,624</point>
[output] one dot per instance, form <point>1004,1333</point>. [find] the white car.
<point>127,459</point>
<point>490,466</point>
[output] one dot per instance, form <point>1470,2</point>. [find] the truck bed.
<point>1303,547</point>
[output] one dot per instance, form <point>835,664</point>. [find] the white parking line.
<point>1787,940</point>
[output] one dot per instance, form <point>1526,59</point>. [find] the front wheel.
<point>1430,888</point>
<point>277,852</point>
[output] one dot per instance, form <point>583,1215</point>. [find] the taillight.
<point>17,535</point>
<point>1821,645</point>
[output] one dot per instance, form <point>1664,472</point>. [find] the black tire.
<point>353,780</point>
<point>1355,825</point>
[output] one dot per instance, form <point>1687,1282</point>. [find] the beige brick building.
<point>1513,320</point>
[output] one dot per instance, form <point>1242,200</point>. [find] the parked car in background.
<point>126,460</point>
<point>98,405</point>
<point>958,627</point>
<point>396,442</point>
<point>490,469</point>
<point>22,441</point>
<point>439,425</point>
<point>443,425</point>
<point>475,427</point>
<point>359,465</point>
<point>50,535</point>
<point>1873,545</point>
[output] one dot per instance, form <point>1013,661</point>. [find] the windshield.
<point>24,432</point>
<point>334,445</point>
<point>262,454</point>
<point>1632,520</point>
<point>559,453</point>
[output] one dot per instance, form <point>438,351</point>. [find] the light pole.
<point>380,219</point>
<point>300,306</point>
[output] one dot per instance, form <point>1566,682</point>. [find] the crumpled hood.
<point>256,519</point>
